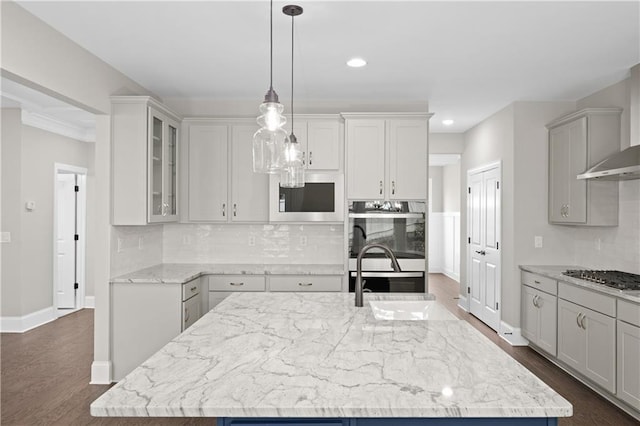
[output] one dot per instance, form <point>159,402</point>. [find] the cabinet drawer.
<point>305,283</point>
<point>629,312</point>
<point>236,283</point>
<point>191,288</point>
<point>541,283</point>
<point>589,299</point>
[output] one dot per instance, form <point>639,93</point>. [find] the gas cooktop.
<point>615,279</point>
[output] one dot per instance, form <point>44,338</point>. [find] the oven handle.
<point>383,274</point>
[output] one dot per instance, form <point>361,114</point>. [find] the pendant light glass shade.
<point>269,140</point>
<point>293,174</point>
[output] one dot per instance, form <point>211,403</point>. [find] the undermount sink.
<point>410,310</point>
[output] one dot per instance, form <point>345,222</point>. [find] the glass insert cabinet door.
<point>163,141</point>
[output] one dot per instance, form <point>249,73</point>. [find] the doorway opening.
<point>69,238</point>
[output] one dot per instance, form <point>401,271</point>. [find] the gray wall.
<point>435,198</point>
<point>28,168</point>
<point>451,188</point>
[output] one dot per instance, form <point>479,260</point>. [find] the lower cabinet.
<point>221,286</point>
<point>587,343</point>
<point>539,311</point>
<point>628,337</point>
<point>305,283</point>
<point>146,316</point>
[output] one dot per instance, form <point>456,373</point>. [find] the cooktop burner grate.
<point>615,279</point>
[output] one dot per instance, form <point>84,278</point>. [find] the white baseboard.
<point>452,275</point>
<point>462,303</point>
<point>27,322</point>
<point>100,373</point>
<point>90,302</point>
<point>435,270</point>
<point>512,335</point>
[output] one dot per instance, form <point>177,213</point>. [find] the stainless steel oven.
<point>400,225</point>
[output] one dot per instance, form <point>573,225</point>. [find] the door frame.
<point>81,228</point>
<point>486,167</point>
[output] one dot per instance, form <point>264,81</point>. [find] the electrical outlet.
<point>537,241</point>
<point>303,240</point>
<point>252,240</point>
<point>140,243</point>
<point>120,244</point>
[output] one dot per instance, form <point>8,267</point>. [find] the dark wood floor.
<point>45,374</point>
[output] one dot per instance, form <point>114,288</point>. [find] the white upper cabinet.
<point>221,184</point>
<point>576,142</point>
<point>387,156</point>
<point>320,141</point>
<point>145,141</point>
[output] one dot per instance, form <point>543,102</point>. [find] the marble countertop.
<point>317,355</point>
<point>183,272</point>
<point>555,272</point>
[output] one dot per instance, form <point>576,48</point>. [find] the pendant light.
<point>293,173</point>
<point>269,140</point>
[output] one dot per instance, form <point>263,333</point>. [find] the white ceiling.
<point>466,59</point>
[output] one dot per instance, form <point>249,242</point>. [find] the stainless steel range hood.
<point>624,165</point>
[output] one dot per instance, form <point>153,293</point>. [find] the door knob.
<point>482,252</point>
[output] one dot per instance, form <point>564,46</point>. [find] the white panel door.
<point>483,209</point>
<point>249,190</point>
<point>66,245</point>
<point>208,168</point>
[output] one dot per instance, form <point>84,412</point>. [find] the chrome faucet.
<point>359,285</point>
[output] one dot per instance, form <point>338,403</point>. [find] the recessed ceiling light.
<point>447,122</point>
<point>356,62</point>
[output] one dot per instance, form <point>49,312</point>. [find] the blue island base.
<point>489,421</point>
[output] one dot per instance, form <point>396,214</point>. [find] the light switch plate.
<point>537,241</point>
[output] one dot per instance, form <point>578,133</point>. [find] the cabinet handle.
<point>236,284</point>
<point>578,320</point>
<point>536,281</point>
<point>224,209</point>
<point>567,210</point>
<point>304,161</point>
<point>310,158</point>
<point>380,187</point>
<point>186,315</point>
<point>305,284</point>
<point>393,187</point>
<point>165,208</point>
<point>584,317</point>
<point>194,288</point>
<point>235,210</point>
<point>535,298</point>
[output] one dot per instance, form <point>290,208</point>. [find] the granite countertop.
<point>183,272</point>
<point>317,355</point>
<point>555,272</point>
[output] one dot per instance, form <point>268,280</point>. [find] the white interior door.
<point>483,207</point>
<point>66,244</point>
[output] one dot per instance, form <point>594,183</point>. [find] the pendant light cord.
<point>291,74</point>
<point>271,46</point>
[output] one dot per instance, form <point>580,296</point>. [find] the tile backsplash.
<point>259,243</point>
<point>613,247</point>
<point>135,247</point>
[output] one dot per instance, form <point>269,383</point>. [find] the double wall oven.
<point>400,225</point>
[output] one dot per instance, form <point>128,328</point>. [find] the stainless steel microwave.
<point>320,200</point>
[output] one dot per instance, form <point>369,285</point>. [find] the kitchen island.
<point>269,357</point>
